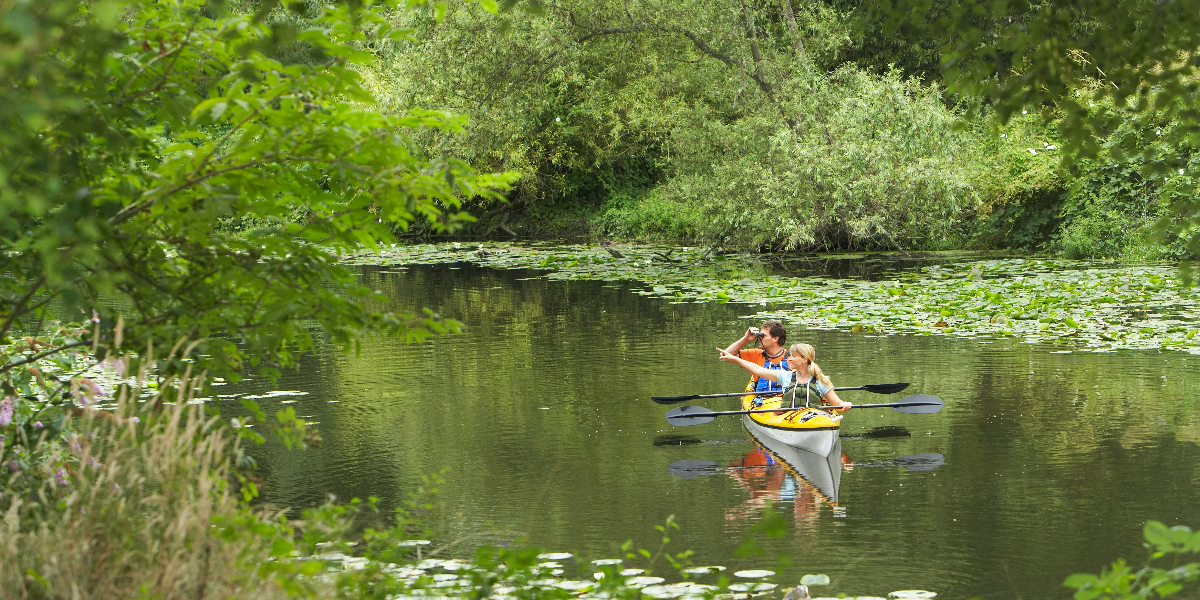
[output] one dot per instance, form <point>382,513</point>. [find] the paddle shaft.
<point>778,410</point>
<point>879,388</point>
<point>698,415</point>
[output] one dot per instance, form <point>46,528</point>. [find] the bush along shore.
<point>1085,305</point>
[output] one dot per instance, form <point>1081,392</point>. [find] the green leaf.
<point>1079,580</point>
<point>1156,533</point>
<point>814,580</point>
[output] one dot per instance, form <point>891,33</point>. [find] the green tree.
<point>1118,78</point>
<point>725,123</point>
<point>179,171</point>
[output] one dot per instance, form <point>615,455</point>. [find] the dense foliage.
<point>730,124</point>
<point>813,126</point>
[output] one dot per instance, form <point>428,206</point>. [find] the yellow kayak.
<point>812,429</point>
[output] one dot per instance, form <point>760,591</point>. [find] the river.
<point>1044,462</point>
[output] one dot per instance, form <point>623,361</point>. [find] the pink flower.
<point>6,411</point>
<point>60,476</point>
<point>38,425</point>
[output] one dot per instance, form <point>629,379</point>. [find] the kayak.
<point>812,429</point>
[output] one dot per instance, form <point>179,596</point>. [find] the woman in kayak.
<point>802,362</point>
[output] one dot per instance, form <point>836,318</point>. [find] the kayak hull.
<point>811,429</point>
<point>816,441</point>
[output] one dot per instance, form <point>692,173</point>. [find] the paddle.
<point>698,415</point>
<point>877,388</point>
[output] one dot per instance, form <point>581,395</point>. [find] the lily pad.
<point>754,573</point>
<point>662,591</point>
<point>1095,306</point>
<point>643,581</point>
<point>574,586</point>
<point>814,580</point>
<point>912,594</point>
<point>555,556</point>
<point>752,587</point>
<point>607,561</point>
<point>630,572</point>
<point>704,570</point>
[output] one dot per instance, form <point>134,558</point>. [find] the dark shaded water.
<point>541,413</point>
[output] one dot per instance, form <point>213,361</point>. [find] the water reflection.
<point>1050,462</point>
<point>779,474</point>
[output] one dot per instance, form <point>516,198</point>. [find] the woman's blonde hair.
<point>810,353</point>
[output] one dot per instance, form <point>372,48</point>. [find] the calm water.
<point>541,413</point>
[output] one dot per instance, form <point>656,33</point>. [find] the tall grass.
<point>150,512</point>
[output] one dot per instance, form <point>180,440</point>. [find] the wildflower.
<point>235,423</point>
<point>1032,151</point>
<point>38,425</point>
<point>60,476</point>
<point>6,411</point>
<point>93,463</point>
<point>13,466</point>
<point>95,317</point>
<point>74,444</point>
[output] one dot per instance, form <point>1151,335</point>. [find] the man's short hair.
<point>776,329</point>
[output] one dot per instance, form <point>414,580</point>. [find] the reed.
<point>153,510</point>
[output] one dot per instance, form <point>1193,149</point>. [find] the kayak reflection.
<point>778,473</point>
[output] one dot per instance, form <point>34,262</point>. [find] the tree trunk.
<point>790,18</point>
<point>755,51</point>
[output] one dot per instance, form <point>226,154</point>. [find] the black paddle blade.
<point>673,399</point>
<point>691,469</point>
<point>919,404</point>
<point>690,415</point>
<point>921,462</point>
<point>885,388</point>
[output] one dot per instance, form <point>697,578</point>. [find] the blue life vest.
<point>766,385</point>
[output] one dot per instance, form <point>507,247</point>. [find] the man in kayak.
<point>804,370</point>
<point>770,353</point>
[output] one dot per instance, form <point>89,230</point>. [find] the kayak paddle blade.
<point>691,469</point>
<point>919,404</point>
<point>921,462</point>
<point>690,415</point>
<point>885,388</point>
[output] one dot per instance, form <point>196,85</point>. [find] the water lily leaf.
<point>754,573</point>
<point>814,580</point>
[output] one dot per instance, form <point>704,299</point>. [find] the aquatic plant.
<point>1089,305</point>
<point>1120,582</point>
